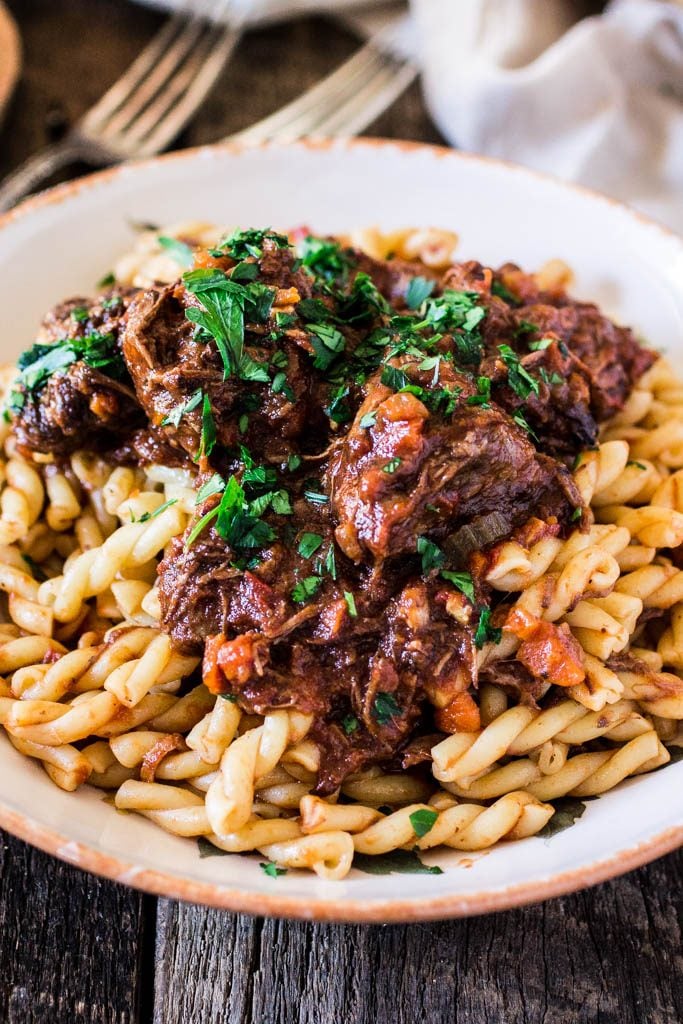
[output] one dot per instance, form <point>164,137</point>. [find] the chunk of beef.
<point>367,689</point>
<point>613,358</point>
<point>79,405</point>
<point>411,473</point>
<point>557,405</point>
<point>169,363</point>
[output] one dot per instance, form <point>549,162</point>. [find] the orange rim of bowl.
<point>450,905</point>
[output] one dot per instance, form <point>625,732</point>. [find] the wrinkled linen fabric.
<point>599,101</point>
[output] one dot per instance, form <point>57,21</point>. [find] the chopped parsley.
<point>225,308</point>
<point>423,821</point>
<point>326,260</point>
<point>519,379</point>
<point>237,520</point>
<point>351,604</point>
<point>483,395</point>
<point>576,514</point>
<point>486,633</point>
<point>330,563</point>
<point>392,465</point>
<point>419,289</point>
<point>338,409</point>
<point>270,869</point>
<point>540,346</point>
<point>519,419</point>
<point>327,344</point>
<point>214,485</point>
<point>499,289</point>
<point>368,420</point>
<point>551,379</point>
<point>350,724</point>
<point>146,516</point>
<point>462,581</point>
<point>107,281</point>
<point>293,462</point>
<point>241,244</point>
<point>174,417</point>
<point>385,708</point>
<point>38,363</point>
<point>179,251</point>
<point>80,314</point>
<point>309,544</point>
<point>306,588</point>
<point>638,465</point>
<point>207,440</point>
<point>432,555</point>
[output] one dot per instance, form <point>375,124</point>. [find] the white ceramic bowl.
<point>60,243</point>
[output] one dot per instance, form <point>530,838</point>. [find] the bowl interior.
<point>60,246</point>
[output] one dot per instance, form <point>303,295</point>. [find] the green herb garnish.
<point>179,251</point>
<point>462,580</point>
<point>423,821</point>
<point>385,708</point>
<point>485,631</point>
<point>306,589</point>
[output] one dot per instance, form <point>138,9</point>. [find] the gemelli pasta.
<point>326,548</point>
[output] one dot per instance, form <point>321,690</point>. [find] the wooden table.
<point>78,950</point>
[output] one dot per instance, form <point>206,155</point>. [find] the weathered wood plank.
<point>70,943</point>
<point>610,955</point>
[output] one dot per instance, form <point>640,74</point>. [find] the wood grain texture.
<point>70,943</point>
<point>78,950</point>
<point>610,955</point>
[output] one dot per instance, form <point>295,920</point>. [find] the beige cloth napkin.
<point>598,102</point>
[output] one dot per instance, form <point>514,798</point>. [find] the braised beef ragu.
<point>75,390</point>
<point>366,434</point>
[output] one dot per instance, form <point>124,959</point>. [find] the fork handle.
<point>34,171</point>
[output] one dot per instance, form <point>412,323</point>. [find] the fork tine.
<point>125,85</point>
<point>368,103</point>
<point>148,88</point>
<point>164,119</point>
<point>294,119</point>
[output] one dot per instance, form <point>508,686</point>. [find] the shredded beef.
<point>368,430</point>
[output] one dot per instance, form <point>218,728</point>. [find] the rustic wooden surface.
<point>78,950</point>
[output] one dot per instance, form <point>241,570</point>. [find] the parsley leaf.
<point>309,544</point>
<point>423,821</point>
<point>306,588</point>
<point>368,420</point>
<point>432,555</point>
<point>483,395</point>
<point>385,708</point>
<point>419,289</point>
<point>326,260</point>
<point>539,346</point>
<point>146,516</point>
<point>208,435</point>
<point>241,244</point>
<point>176,414</point>
<point>272,870</point>
<point>350,724</point>
<point>177,250</point>
<point>462,580</point>
<point>351,604</point>
<point>225,308</point>
<point>519,378</point>
<point>392,465</point>
<point>214,485</point>
<point>327,344</point>
<point>485,631</point>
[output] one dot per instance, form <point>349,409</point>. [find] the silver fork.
<point>148,106</point>
<point>351,97</point>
